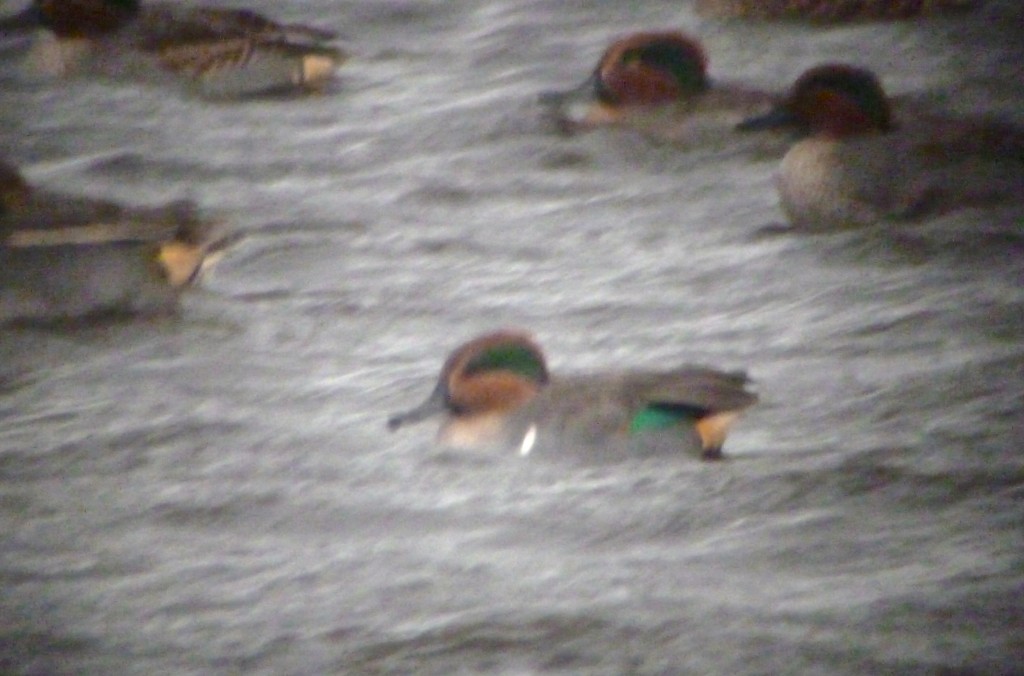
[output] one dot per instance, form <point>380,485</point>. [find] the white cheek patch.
<point>528,441</point>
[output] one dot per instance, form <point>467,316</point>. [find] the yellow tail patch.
<point>180,262</point>
<point>318,67</point>
<point>713,428</point>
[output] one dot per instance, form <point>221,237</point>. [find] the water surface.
<point>217,493</point>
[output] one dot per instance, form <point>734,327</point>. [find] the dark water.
<point>218,494</point>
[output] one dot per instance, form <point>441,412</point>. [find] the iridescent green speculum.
<point>660,417</point>
<point>519,359</point>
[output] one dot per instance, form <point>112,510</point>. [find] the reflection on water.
<point>217,492</point>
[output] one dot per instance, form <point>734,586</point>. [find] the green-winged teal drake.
<point>64,257</point>
<point>857,164</point>
<point>220,52</point>
<point>495,392</point>
<point>656,83</point>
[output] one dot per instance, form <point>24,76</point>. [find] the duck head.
<point>494,373</point>
<point>72,18</point>
<point>834,100</point>
<point>639,70</point>
<point>650,69</point>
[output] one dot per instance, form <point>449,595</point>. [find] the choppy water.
<point>218,494</point>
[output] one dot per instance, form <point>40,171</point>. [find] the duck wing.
<point>54,219</point>
<point>701,389</point>
<point>162,26</point>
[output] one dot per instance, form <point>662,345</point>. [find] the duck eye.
<point>630,57</point>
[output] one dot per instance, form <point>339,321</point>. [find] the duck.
<point>855,163</point>
<point>831,11</point>
<point>217,52</point>
<point>68,258</point>
<point>495,392</point>
<point>655,82</point>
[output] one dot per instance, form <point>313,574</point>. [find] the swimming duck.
<point>656,83</point>
<point>857,165</point>
<point>826,11</point>
<point>220,52</point>
<point>495,392</point>
<point>64,257</point>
